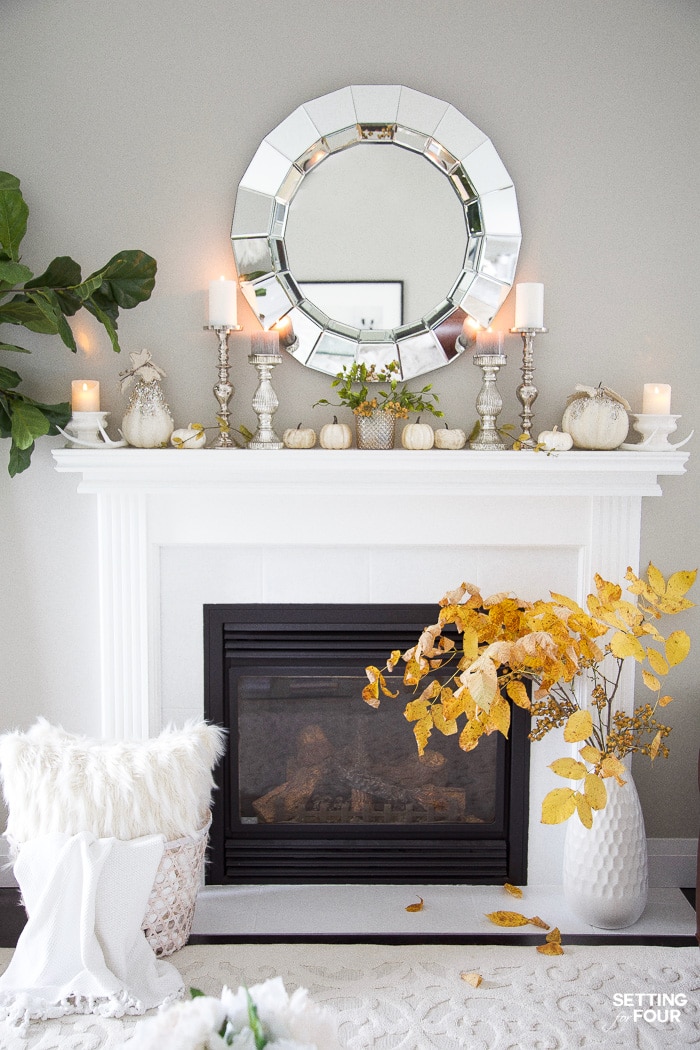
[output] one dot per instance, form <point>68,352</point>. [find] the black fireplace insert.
<point>316,786</point>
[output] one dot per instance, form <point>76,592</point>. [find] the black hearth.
<point>316,786</point>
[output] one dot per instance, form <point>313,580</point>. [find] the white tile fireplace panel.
<point>316,574</point>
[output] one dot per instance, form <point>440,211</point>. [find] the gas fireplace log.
<point>283,802</point>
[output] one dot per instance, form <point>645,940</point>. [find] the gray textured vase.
<point>376,431</point>
<point>605,867</point>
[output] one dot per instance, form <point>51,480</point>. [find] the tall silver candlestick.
<point>527,391</point>
<point>265,401</point>
<point>223,391</point>
<point>488,403</point>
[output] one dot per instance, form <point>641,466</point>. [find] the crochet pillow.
<point>56,782</point>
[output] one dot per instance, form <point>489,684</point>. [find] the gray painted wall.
<point>130,125</point>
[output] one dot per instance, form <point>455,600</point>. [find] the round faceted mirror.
<point>373,221</point>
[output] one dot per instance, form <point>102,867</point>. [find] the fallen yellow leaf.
<point>415,907</point>
<point>514,891</point>
<point>507,919</point>
<point>511,919</point>
<point>474,979</point>
<point>554,936</point>
<point>537,921</point>
<point>551,948</point>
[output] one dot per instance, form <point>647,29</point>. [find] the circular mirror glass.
<point>401,222</point>
<point>370,224</point>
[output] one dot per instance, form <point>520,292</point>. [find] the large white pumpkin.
<point>596,418</point>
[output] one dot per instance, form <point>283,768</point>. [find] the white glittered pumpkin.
<point>335,435</point>
<point>450,438</point>
<point>193,436</point>
<point>555,440</point>
<point>299,437</point>
<point>418,435</point>
<point>596,418</point>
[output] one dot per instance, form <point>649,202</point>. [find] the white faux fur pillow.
<point>56,782</point>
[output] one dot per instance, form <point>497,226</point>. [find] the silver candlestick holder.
<point>223,391</point>
<point>265,402</point>
<point>488,403</point>
<point>527,391</point>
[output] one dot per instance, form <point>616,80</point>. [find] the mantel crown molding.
<point>436,470</point>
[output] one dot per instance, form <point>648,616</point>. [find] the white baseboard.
<point>672,862</point>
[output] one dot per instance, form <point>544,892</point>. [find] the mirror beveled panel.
<point>274,252</point>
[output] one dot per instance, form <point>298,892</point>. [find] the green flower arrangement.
<point>352,387</point>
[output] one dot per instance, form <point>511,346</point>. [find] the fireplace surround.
<point>316,786</point>
<point>180,530</point>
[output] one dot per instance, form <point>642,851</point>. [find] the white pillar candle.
<point>285,331</point>
<point>265,343</point>
<point>529,306</point>
<point>85,395</point>
<point>222,303</point>
<point>656,399</point>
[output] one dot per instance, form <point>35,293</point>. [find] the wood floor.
<point>12,920</point>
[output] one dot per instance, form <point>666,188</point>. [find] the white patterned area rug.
<point>413,997</point>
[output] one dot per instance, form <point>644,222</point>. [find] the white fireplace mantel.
<point>178,529</point>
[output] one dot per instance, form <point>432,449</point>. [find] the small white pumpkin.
<point>555,440</point>
<point>417,435</point>
<point>335,435</point>
<point>299,437</point>
<point>596,418</point>
<point>450,438</point>
<point>192,436</point>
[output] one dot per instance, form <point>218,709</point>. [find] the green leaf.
<point>47,301</point>
<point>12,273</point>
<point>61,275</point>
<point>28,422</point>
<point>20,459</point>
<point>13,218</point>
<point>62,272</point>
<point>127,280</point>
<point>105,320</point>
<point>8,182</point>
<point>13,348</point>
<point>255,1024</point>
<point>9,379</point>
<point>20,311</point>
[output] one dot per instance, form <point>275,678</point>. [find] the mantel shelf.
<point>352,470</point>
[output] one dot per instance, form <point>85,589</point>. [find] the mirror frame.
<point>383,115</point>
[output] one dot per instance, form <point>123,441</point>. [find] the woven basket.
<point>170,909</point>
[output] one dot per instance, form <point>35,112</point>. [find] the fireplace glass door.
<point>317,786</point>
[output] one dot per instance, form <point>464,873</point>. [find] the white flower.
<point>288,1022</point>
<point>190,1025</point>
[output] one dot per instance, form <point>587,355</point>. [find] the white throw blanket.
<point>83,949</point>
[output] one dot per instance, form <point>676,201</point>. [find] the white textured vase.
<point>606,880</point>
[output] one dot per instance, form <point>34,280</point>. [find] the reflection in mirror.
<point>400,220</point>
<point>376,184</point>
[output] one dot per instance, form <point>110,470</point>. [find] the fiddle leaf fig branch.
<point>42,304</point>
